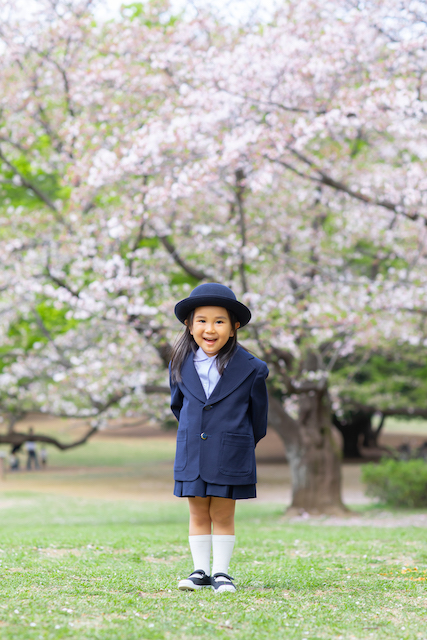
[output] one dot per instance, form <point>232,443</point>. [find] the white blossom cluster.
<point>288,162</point>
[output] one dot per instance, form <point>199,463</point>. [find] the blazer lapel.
<point>191,380</point>
<point>237,370</point>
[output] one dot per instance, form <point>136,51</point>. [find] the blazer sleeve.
<point>259,403</point>
<point>176,399</point>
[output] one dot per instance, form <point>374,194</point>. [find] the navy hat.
<point>216,295</point>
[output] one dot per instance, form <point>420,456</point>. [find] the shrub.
<point>398,483</point>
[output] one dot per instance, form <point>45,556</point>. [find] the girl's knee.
<point>199,509</point>
<point>200,519</point>
<point>222,511</point>
<point>222,519</point>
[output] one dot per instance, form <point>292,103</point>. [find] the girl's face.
<point>211,329</point>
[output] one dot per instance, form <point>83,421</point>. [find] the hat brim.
<point>184,308</point>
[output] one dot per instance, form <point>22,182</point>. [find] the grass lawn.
<point>93,547</point>
<point>76,568</point>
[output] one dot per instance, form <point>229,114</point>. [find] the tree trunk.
<point>355,425</point>
<point>313,454</point>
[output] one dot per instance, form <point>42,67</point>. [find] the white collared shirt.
<point>207,370</point>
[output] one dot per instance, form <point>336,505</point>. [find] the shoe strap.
<point>223,575</point>
<point>200,572</point>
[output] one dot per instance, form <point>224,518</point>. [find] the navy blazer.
<point>217,436</point>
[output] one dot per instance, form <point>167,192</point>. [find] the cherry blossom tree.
<point>145,155</point>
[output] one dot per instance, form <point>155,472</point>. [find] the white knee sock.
<point>200,547</point>
<point>222,547</point>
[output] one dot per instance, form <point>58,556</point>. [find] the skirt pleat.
<point>203,489</point>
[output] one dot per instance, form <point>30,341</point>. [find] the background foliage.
<point>398,483</point>
<point>143,155</point>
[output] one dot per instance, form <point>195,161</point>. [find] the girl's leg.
<point>200,518</point>
<point>206,513</point>
<point>222,515</point>
<point>200,538</point>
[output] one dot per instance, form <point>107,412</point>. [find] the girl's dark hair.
<point>186,345</point>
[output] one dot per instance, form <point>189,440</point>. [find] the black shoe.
<point>222,582</point>
<point>196,580</point>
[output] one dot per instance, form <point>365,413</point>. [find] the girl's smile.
<point>211,329</point>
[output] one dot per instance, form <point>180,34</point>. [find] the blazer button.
<point>204,436</point>
<point>208,407</point>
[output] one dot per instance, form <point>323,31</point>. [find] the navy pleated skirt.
<point>203,489</point>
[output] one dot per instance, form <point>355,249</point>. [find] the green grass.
<point>93,570</point>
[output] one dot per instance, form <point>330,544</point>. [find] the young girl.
<point>219,397</point>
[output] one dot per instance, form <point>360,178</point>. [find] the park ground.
<point>93,546</point>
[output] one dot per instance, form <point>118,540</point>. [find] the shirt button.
<point>204,436</point>
<point>208,407</point>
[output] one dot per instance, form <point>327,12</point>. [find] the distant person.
<point>404,451</point>
<point>13,462</point>
<point>219,397</point>
<point>16,448</point>
<point>43,456</point>
<point>30,447</point>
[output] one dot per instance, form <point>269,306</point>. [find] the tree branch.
<point>32,187</point>
<point>61,283</point>
<point>156,388</point>
<point>324,178</point>
<point>41,325</point>
<point>269,103</point>
<point>63,74</point>
<point>17,438</point>
<point>391,411</point>
<point>239,191</point>
<point>26,183</point>
<point>194,273</point>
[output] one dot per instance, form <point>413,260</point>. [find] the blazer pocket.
<point>181,451</point>
<point>236,454</point>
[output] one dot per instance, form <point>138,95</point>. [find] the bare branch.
<point>14,144</point>
<point>30,185</point>
<point>41,325</point>
<point>43,118</point>
<point>390,411</point>
<point>61,283</point>
<point>156,388</point>
<point>26,183</point>
<point>270,103</point>
<point>324,178</point>
<point>239,192</point>
<point>63,74</point>
<point>194,273</point>
<point>17,438</point>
